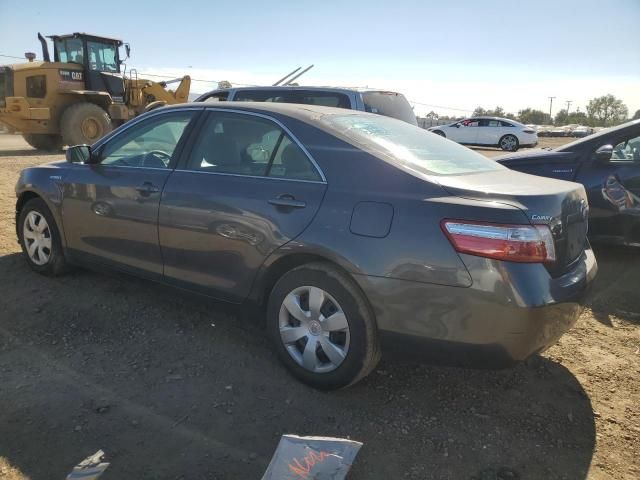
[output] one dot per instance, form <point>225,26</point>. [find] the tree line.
<point>604,111</point>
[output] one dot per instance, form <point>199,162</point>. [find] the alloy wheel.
<point>314,329</point>
<point>37,238</point>
<point>508,143</point>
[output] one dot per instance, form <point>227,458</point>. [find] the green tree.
<point>432,116</point>
<point>636,115</point>
<point>496,112</point>
<point>562,118</point>
<point>532,116</point>
<point>578,117</point>
<point>606,111</point>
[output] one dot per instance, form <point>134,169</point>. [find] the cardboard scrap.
<point>90,468</point>
<point>312,458</point>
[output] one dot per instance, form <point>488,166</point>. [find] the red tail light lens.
<point>512,243</point>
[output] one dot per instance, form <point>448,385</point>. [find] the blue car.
<point>608,165</point>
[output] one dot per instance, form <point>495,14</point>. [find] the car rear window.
<point>408,146</point>
<point>307,97</point>
<point>389,104</point>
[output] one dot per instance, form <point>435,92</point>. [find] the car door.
<point>244,189</point>
<point>465,131</point>
<point>614,191</point>
<point>489,131</point>
<point>111,205</point>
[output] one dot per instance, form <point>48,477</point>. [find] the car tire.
<point>509,143</point>
<point>84,123</point>
<point>440,132</point>
<point>47,256</point>
<point>350,338</point>
<point>46,142</point>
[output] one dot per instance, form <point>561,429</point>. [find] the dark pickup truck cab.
<point>608,165</point>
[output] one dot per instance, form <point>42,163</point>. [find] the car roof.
<point>302,87</point>
<point>488,117</point>
<point>304,112</point>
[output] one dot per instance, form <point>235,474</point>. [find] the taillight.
<point>512,243</point>
<point>528,131</point>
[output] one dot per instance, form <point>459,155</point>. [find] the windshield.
<point>70,50</point>
<point>389,104</point>
<point>408,146</point>
<point>102,57</point>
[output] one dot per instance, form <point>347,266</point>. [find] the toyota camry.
<point>355,232</point>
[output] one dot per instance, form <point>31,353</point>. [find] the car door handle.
<point>147,188</point>
<point>287,201</point>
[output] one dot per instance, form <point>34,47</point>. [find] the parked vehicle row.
<point>353,231</point>
<point>499,132</point>
<point>563,130</point>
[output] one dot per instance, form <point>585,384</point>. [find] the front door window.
<point>150,144</point>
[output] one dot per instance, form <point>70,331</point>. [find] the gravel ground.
<point>173,386</point>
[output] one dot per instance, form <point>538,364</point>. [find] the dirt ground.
<point>173,386</point>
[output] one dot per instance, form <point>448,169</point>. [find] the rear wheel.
<point>40,239</point>
<point>322,327</point>
<point>84,123</point>
<point>509,143</point>
<point>41,141</point>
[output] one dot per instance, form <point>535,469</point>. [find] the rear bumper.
<point>510,312</point>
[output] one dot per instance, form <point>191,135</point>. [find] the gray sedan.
<point>353,231</point>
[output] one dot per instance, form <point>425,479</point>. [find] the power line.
<point>11,56</point>
<point>208,80</point>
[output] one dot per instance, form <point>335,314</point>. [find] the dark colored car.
<point>351,229</point>
<point>383,102</point>
<point>607,163</point>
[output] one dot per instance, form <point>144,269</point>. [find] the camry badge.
<point>544,218</point>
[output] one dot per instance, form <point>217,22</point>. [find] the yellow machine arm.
<point>142,93</point>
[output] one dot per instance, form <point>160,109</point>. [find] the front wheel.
<point>84,123</point>
<point>40,239</point>
<point>509,143</point>
<point>322,327</point>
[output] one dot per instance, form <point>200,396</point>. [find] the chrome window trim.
<point>284,128</point>
<point>261,177</point>
<point>110,165</point>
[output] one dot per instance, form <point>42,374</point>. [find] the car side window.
<point>471,122</point>
<point>627,151</point>
<point>485,122</point>
<point>506,124</point>
<point>291,162</point>
<point>150,143</point>
<point>239,144</point>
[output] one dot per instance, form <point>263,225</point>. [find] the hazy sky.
<point>447,55</point>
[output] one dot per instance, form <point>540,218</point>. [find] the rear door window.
<point>389,104</point>
<point>239,144</point>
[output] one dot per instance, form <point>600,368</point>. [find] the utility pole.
<point>569,102</point>
<point>550,106</point>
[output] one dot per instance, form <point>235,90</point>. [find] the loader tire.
<point>84,123</point>
<point>40,141</point>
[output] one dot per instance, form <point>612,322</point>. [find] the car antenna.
<point>301,73</point>
<point>285,77</point>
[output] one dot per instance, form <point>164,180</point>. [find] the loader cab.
<point>99,58</point>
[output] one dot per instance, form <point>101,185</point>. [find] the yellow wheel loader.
<point>79,96</point>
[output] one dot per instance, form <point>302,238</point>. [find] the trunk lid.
<point>544,201</point>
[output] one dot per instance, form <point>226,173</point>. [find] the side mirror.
<point>127,48</point>
<point>604,153</point>
<point>457,125</point>
<point>79,154</point>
